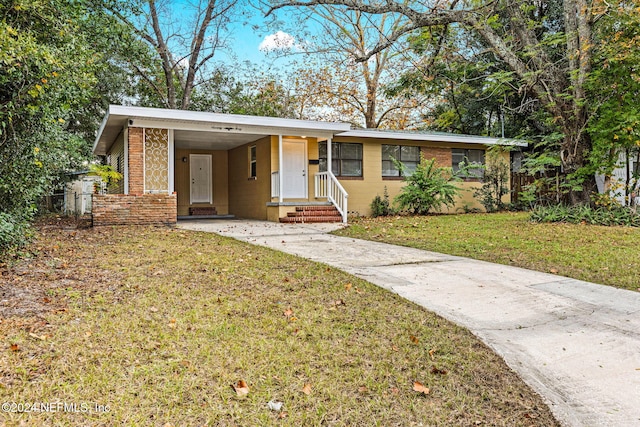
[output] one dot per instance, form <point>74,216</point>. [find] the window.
<point>473,159</point>
<point>252,162</point>
<point>346,158</point>
<point>407,155</point>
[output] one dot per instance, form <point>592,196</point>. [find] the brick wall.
<point>442,155</point>
<point>128,209</point>
<point>136,161</point>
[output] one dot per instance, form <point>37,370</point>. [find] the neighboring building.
<point>179,163</point>
<point>79,192</point>
<point>622,185</point>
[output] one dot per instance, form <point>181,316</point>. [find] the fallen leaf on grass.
<point>15,347</point>
<point>172,323</point>
<point>153,309</point>
<point>414,339</point>
<point>39,337</point>
<point>431,353</point>
<point>553,271</point>
<point>288,313</point>
<point>283,415</point>
<point>420,388</point>
<point>241,388</point>
<point>306,389</point>
<point>347,287</point>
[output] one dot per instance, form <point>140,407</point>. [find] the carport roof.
<point>231,130</point>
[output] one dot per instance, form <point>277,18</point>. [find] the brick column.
<point>136,161</point>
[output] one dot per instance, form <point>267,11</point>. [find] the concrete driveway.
<point>576,343</point>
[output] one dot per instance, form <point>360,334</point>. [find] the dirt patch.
<point>39,282</point>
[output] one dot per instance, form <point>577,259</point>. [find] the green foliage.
<point>428,188</point>
<point>495,180</point>
<point>614,125</point>
<point>48,77</point>
<point>106,173</point>
<point>380,206</point>
<point>584,214</point>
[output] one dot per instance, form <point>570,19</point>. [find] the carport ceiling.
<point>194,140</point>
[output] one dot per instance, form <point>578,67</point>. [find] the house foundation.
<point>128,209</point>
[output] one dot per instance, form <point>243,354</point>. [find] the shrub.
<point>380,206</point>
<point>615,215</point>
<point>14,233</point>
<point>428,188</point>
<point>494,183</point>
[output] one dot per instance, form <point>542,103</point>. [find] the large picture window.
<point>409,156</point>
<point>473,159</point>
<point>346,158</point>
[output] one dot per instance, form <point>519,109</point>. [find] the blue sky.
<point>247,33</point>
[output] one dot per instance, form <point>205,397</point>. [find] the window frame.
<point>479,175</point>
<point>253,161</point>
<point>338,160</point>
<point>404,162</point>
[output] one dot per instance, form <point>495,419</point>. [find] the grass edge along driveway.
<point>598,254</point>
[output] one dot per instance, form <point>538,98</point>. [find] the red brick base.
<point>127,209</point>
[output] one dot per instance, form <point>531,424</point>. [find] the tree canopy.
<point>547,51</point>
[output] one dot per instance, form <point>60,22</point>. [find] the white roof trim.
<point>204,117</point>
<point>119,116</point>
<point>433,137</point>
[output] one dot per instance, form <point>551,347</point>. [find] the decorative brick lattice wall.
<point>156,159</point>
<point>128,209</point>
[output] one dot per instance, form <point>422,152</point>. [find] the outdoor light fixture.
<point>184,159</point>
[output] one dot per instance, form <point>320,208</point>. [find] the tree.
<point>257,94</point>
<point>548,46</point>
<point>182,55</point>
<point>471,91</point>
<point>48,73</point>
<point>614,124</point>
<point>333,76</point>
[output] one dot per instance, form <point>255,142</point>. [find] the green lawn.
<point>156,325</point>
<point>606,255</point>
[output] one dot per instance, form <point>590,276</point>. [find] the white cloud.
<point>278,41</point>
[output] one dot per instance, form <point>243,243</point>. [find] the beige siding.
<point>115,158</point>
<point>248,197</point>
<point>219,177</point>
<point>362,191</point>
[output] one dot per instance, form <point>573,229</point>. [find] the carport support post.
<point>280,174</point>
<point>329,159</point>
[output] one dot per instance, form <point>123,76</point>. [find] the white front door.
<point>200,174</point>
<point>294,169</point>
